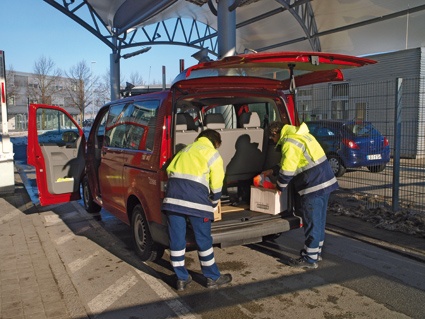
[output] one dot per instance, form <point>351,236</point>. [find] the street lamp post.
<point>92,88</point>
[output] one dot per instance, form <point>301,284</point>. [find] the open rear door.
<point>56,147</point>
<point>304,68</point>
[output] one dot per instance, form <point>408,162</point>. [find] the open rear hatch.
<point>304,68</point>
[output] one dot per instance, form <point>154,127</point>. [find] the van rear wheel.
<point>144,246</point>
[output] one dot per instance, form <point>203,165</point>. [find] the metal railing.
<point>397,109</point>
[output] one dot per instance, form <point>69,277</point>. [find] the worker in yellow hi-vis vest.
<point>304,163</point>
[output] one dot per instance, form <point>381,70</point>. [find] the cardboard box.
<point>217,212</point>
<point>223,209</point>
<point>268,201</point>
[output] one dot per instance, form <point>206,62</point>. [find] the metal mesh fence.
<point>396,108</point>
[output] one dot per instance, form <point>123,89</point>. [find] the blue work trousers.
<point>313,208</point>
<point>202,230</point>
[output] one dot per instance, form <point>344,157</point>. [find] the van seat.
<point>214,121</point>
<point>186,130</point>
<point>190,122</point>
<point>250,120</point>
<point>181,124</point>
<point>185,122</point>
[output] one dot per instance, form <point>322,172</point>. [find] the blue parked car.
<point>351,144</point>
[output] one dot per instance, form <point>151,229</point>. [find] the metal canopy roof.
<point>355,27</point>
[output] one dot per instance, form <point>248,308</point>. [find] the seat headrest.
<point>215,121</point>
<point>181,124</point>
<point>185,122</point>
<point>250,119</point>
<point>190,122</point>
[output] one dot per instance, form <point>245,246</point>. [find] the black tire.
<point>89,204</point>
<point>271,237</point>
<point>144,246</point>
<point>336,164</point>
<point>377,168</point>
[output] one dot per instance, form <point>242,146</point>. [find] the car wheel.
<point>377,168</point>
<point>89,204</point>
<point>336,164</point>
<point>144,246</point>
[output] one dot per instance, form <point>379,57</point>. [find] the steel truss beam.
<point>176,31</point>
<point>302,11</point>
<point>193,34</point>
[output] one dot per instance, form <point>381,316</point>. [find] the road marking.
<point>81,262</point>
<point>112,293</point>
<point>164,294</point>
<point>63,239</point>
<point>82,230</point>
<point>52,220</point>
<point>10,216</point>
<point>170,298</point>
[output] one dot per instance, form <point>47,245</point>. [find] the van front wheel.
<point>89,203</point>
<point>144,246</point>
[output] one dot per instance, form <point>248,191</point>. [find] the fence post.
<point>397,144</point>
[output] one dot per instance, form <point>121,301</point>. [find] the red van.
<point>121,166</point>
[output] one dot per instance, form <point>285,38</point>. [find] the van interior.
<point>243,125</point>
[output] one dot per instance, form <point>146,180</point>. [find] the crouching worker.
<point>195,180</point>
<point>304,162</point>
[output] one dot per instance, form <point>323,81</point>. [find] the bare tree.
<point>11,88</point>
<point>136,79</point>
<point>81,84</point>
<point>46,75</point>
<point>103,89</point>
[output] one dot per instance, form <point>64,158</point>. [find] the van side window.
<point>142,124</point>
<point>115,127</point>
<point>132,126</point>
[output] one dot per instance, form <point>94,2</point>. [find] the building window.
<point>10,100</point>
<point>340,90</point>
<point>339,110</point>
<point>339,101</point>
<point>21,122</point>
<point>361,109</point>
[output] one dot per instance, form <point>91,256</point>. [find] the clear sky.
<point>31,29</point>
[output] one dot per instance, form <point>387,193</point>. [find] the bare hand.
<point>267,172</point>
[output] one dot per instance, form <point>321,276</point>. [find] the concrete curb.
<point>407,252</point>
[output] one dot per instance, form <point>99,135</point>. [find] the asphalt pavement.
<point>35,281</point>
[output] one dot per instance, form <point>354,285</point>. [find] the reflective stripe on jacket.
<point>304,162</point>
<point>195,180</point>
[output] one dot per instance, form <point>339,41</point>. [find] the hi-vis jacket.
<point>195,180</point>
<point>304,162</point>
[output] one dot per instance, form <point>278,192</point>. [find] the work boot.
<point>303,263</point>
<point>222,280</point>
<point>181,284</point>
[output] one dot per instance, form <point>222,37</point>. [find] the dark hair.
<point>275,128</point>
<point>212,135</point>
